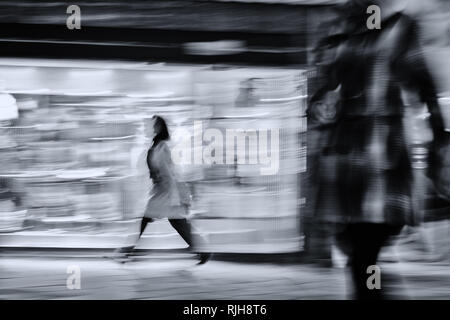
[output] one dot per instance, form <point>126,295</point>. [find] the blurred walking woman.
<point>169,198</point>
<point>373,176</point>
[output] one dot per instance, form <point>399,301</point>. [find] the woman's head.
<point>158,129</point>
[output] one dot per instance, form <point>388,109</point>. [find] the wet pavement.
<point>176,276</point>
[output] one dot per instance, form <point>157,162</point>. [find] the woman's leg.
<point>183,227</point>
<point>144,223</point>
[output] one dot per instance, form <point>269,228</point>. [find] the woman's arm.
<point>169,173</point>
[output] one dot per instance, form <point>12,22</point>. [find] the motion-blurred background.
<point>73,104</point>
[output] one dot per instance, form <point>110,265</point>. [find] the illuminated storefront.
<point>79,135</point>
<point>84,119</point>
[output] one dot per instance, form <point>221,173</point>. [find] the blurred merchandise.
<point>237,205</point>
<point>80,147</point>
<point>444,103</point>
<point>72,152</point>
<point>8,107</point>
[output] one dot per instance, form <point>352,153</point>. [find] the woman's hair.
<point>162,133</point>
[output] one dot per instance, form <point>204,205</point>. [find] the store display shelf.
<point>80,240</point>
<point>283,225</point>
<point>144,97</point>
<point>269,247</point>
<point>13,229</point>
<point>48,92</point>
<point>78,219</point>
<point>243,216</point>
<point>50,239</point>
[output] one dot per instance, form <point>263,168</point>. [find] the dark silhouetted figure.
<point>371,190</point>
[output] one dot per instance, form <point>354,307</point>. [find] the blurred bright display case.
<point>72,174</point>
<point>244,207</point>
